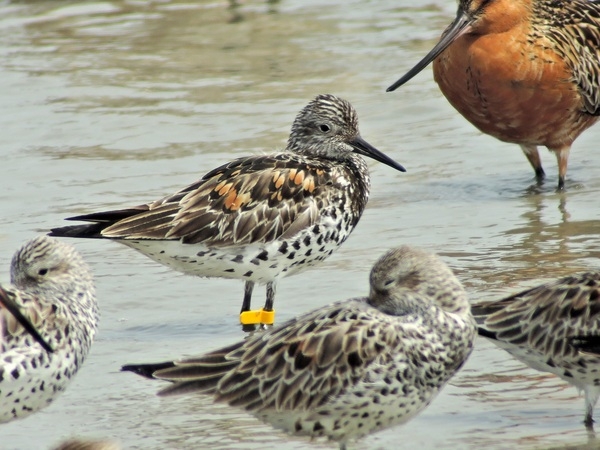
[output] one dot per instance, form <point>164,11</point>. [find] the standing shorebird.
<point>553,328</point>
<point>258,218</point>
<point>523,71</point>
<point>52,287</point>
<point>347,369</point>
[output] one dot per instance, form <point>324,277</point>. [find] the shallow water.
<point>110,104</point>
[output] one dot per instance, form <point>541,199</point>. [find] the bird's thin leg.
<point>588,421</point>
<point>562,156</point>
<point>248,288</point>
<point>591,398</point>
<point>270,296</point>
<point>533,156</point>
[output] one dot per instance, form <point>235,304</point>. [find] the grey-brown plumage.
<point>523,71</point>
<point>347,369</point>
<point>9,306</point>
<point>53,289</point>
<point>554,328</point>
<point>257,218</point>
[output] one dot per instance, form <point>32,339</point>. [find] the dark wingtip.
<point>79,231</point>
<point>100,221</point>
<point>486,333</point>
<point>588,344</point>
<point>147,370</point>
<point>59,232</point>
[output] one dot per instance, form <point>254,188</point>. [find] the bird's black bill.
<point>364,148</point>
<point>461,25</point>
<point>12,308</point>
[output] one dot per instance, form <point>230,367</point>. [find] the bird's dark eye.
<point>324,128</point>
<point>42,272</point>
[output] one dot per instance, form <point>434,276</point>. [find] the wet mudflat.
<point>111,104</point>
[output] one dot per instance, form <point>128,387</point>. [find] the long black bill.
<point>12,308</point>
<point>362,147</point>
<point>460,26</point>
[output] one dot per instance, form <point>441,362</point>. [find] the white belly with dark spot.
<point>31,380</point>
<point>260,263</point>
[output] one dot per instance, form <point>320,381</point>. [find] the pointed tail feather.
<point>100,221</point>
<point>147,370</point>
<point>91,231</point>
<point>486,333</point>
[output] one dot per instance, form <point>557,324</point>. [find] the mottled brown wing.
<point>300,366</point>
<point>547,318</point>
<point>256,199</point>
<point>575,27</point>
<point>16,320</point>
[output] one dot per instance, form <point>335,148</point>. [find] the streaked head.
<point>328,127</point>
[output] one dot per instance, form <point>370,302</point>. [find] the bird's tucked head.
<point>44,261</point>
<point>407,275</point>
